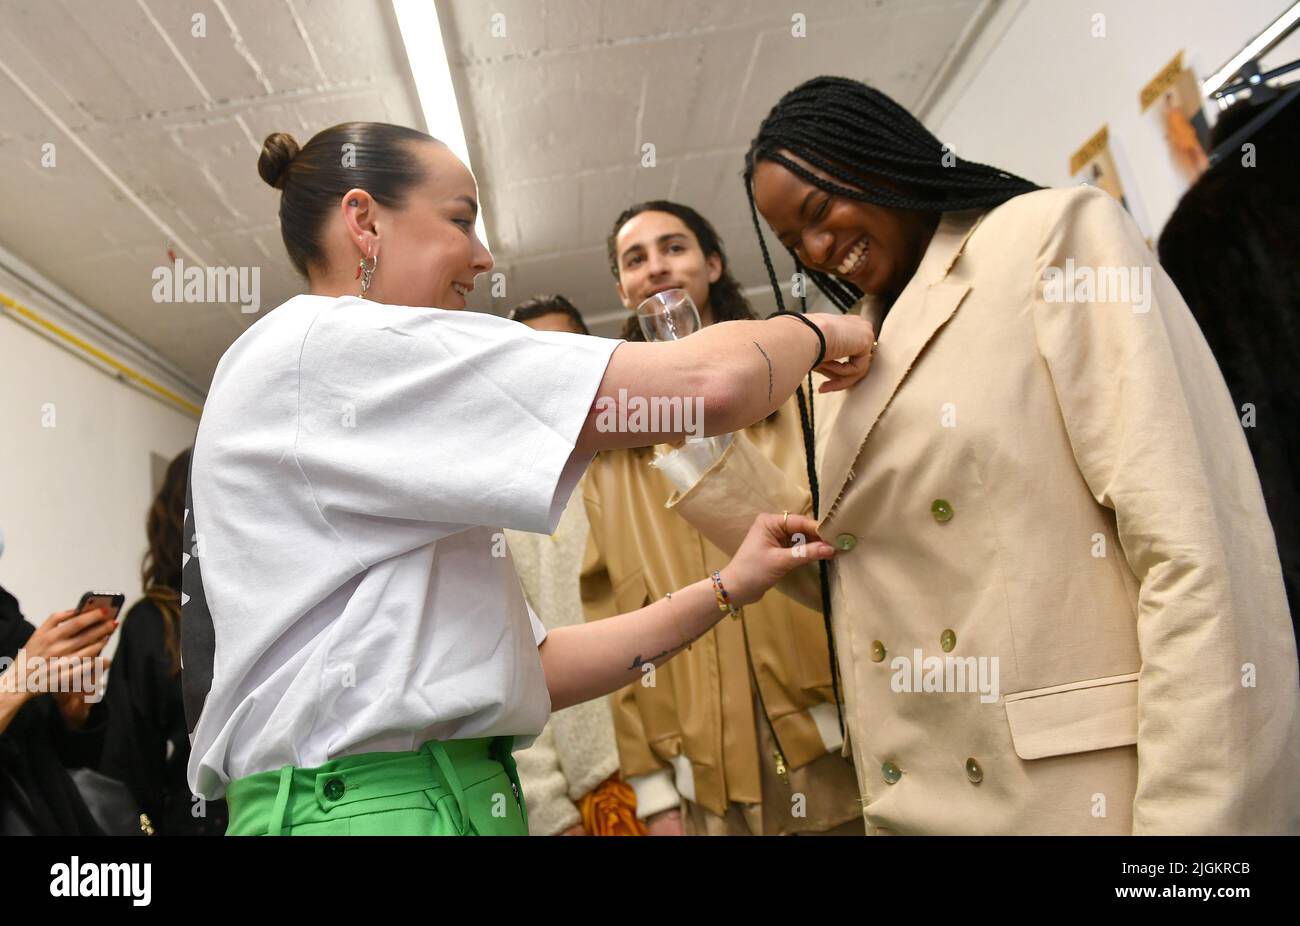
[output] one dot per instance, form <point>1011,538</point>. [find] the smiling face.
<point>875,248</point>
<point>433,248</point>
<point>428,251</point>
<point>657,251</point>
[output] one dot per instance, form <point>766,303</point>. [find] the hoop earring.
<point>367,273</point>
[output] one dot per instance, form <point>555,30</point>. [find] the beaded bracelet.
<point>724,599</point>
<point>821,338</point>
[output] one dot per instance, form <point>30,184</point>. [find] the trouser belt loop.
<point>453,781</point>
<point>281,802</point>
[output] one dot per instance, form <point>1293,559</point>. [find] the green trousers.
<point>451,788</point>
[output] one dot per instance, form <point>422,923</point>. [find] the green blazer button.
<point>846,542</point>
<point>948,640</point>
<point>334,789</point>
<point>974,772</point>
<point>877,651</point>
<point>941,509</point>
<point>891,773</point>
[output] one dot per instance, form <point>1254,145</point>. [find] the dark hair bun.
<point>278,151</point>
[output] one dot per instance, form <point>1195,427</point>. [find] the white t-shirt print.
<point>353,467</point>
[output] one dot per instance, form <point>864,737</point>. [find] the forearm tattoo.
<point>640,661</point>
<point>769,369</point>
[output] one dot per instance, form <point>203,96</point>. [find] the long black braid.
<point>857,134</point>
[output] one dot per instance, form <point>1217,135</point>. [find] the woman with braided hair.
<point>1057,605</point>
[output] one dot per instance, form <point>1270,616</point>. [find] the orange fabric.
<point>610,810</point>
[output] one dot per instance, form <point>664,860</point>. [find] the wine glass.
<point>668,316</point>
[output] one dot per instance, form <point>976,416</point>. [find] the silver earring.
<point>367,272</point>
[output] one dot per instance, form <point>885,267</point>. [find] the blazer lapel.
<point>924,306</point>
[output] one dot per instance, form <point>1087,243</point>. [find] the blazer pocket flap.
<point>1098,713</point>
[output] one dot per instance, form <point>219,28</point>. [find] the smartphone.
<point>108,600</point>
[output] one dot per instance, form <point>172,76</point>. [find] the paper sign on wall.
<point>1172,104</point>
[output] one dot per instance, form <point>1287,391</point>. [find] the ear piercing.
<point>367,272</point>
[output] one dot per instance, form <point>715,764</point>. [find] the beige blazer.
<point>1045,486</point>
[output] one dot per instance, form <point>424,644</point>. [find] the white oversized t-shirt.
<point>353,467</point>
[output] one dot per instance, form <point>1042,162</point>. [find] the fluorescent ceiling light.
<point>417,20</point>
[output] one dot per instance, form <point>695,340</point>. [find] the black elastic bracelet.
<point>821,338</point>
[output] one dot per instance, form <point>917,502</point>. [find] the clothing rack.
<point>1268,100</point>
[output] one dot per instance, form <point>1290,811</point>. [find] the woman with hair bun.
<point>358,655</point>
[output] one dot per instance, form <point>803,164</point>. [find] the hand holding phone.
<point>110,602</point>
<point>79,633</point>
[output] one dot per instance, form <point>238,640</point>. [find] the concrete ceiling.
<point>156,130</point>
